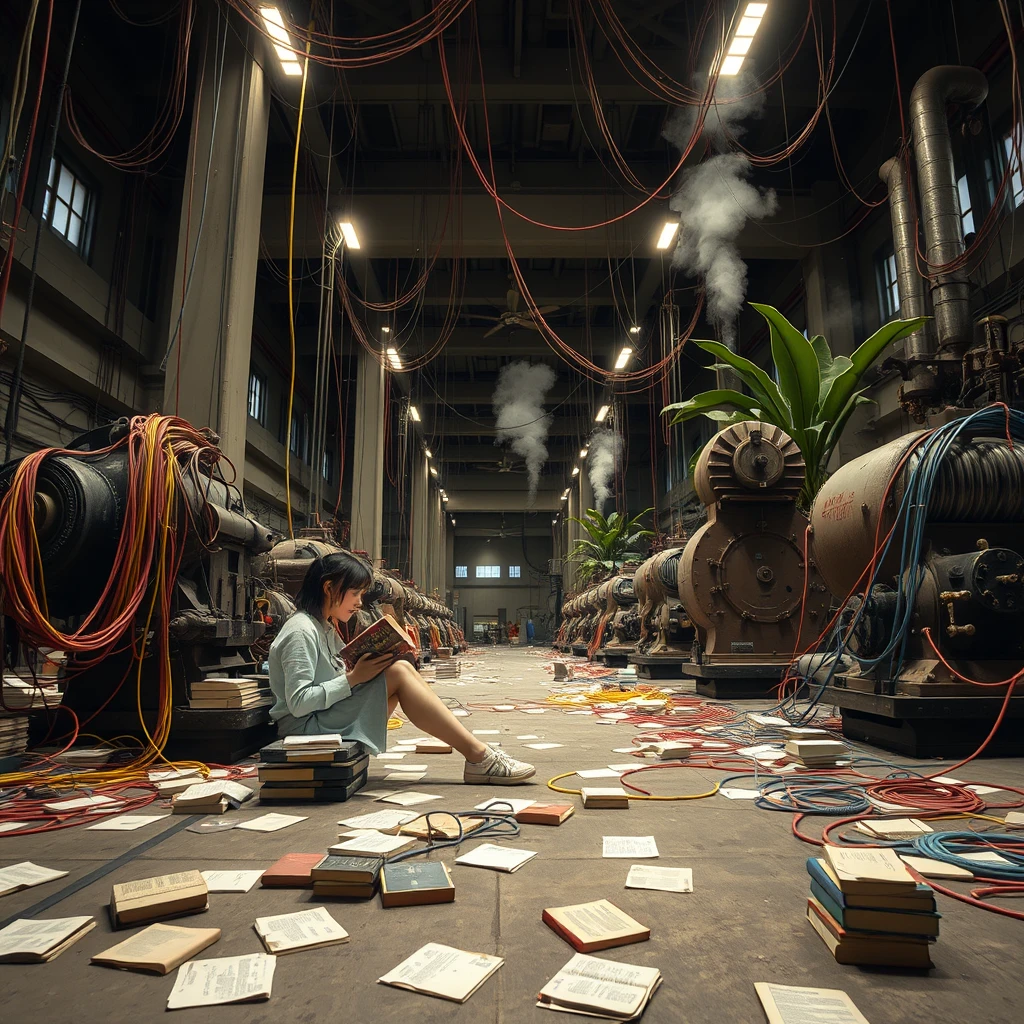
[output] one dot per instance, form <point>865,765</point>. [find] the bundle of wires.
<point>496,825</point>
<point>161,452</point>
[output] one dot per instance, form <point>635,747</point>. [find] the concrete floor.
<point>743,923</point>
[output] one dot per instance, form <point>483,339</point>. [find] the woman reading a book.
<point>316,694</point>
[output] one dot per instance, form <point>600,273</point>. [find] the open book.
<point>602,988</point>
<point>436,970</point>
<point>385,636</point>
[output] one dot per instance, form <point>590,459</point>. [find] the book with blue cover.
<point>415,883</point>
<point>873,920</point>
<point>921,900</point>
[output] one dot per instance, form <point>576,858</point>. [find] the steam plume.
<point>519,407</point>
<point>714,200</point>
<point>605,451</point>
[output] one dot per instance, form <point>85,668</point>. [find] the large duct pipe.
<point>940,203</point>
<point>913,301</point>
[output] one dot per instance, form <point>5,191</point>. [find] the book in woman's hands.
<point>385,636</point>
<point>603,988</point>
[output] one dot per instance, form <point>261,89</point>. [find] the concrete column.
<point>207,372</point>
<point>438,546</point>
<point>420,518</point>
<point>368,463</point>
<point>586,497</point>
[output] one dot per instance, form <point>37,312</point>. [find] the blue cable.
<point>495,826</point>
<point>941,846</point>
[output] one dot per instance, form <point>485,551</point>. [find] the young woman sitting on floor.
<point>315,694</point>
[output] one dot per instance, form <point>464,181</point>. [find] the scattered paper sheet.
<point>410,798</point>
<point>543,746</point>
<point>229,979</point>
<point>460,713</point>
<point>621,769</point>
<point>270,823</point>
<point>380,820</point>
<point>125,822</point>
<point>498,858</point>
<point>286,933</point>
<point>25,875</point>
<point>37,936</point>
<point>442,971</point>
<point>714,745</point>
<point>371,844</point>
<point>80,803</point>
<point>395,756</point>
<point>947,780</point>
<point>404,777</point>
<point>504,707</point>
<point>647,876</point>
<point>985,790</point>
<point>410,768</point>
<point>1014,818</point>
<point>13,826</point>
<point>533,711</point>
<point>629,846</point>
<point>740,794</point>
<point>173,773</point>
<point>597,773</point>
<point>787,1004</point>
<point>501,805</point>
<point>230,881</point>
<point>212,825</point>
<point>625,750</point>
<point>528,736</point>
<point>762,748</point>
<point>486,732</point>
<point>580,711</point>
<point>985,857</point>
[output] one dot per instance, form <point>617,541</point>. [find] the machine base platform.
<point>735,682</point>
<point>946,727</point>
<point>578,650</point>
<point>658,666</point>
<point>614,658</point>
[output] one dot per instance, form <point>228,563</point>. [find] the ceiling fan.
<point>507,465</point>
<point>512,316</point>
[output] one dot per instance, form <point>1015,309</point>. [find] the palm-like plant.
<point>816,394</point>
<point>611,541</point>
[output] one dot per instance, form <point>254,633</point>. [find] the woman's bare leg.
<point>392,704</point>
<point>427,711</point>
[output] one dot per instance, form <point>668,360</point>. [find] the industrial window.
<point>488,572</point>
<point>258,397</point>
<point>461,572</point>
<point>328,466</point>
<point>67,205</point>
<point>513,572</point>
<point>1016,182</point>
<point>298,442</point>
<point>966,210</point>
<point>888,288</point>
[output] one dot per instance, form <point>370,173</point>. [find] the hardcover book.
<point>292,871</point>
<point>416,883</point>
<point>867,950</point>
<point>592,926</point>
<point>545,814</point>
<point>338,868</point>
<point>385,636</point>
<point>150,899</point>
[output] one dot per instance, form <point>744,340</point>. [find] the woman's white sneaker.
<point>498,769</point>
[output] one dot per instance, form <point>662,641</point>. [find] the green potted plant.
<point>611,541</point>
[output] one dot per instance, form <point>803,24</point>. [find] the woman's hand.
<point>368,667</point>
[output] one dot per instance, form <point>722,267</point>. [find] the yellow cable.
<point>632,796</point>
<point>291,295</point>
<point>395,723</point>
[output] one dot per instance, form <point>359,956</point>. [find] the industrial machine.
<point>744,578</point>
<point>85,506</point>
<point>666,633</point>
<point>927,535</point>
<point>621,618</point>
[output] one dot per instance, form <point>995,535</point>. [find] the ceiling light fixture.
<point>392,354</point>
<point>739,45</point>
<point>453,520</point>
<point>602,413</point>
<point>575,470</point>
<point>282,43</point>
<point>385,329</point>
<point>634,329</point>
<point>554,521</point>
<point>348,232</point>
<point>668,232</point>
<point>414,413</point>
<point>429,453</point>
<point>583,452</point>
<point>624,356</point>
<point>433,471</point>
<point>565,497</point>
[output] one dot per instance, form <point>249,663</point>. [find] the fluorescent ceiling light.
<point>291,68</point>
<point>740,45</point>
<point>620,363</point>
<point>282,43</point>
<point>575,470</point>
<point>430,454</point>
<point>385,329</point>
<point>392,354</point>
<point>668,232</point>
<point>414,413</point>
<point>565,497</point>
<point>553,521</point>
<point>433,471</point>
<point>634,329</point>
<point>756,10</point>
<point>583,453</point>
<point>602,413</point>
<point>731,65</point>
<point>348,232</point>
<point>453,522</point>
<point>747,26</point>
<point>444,498</point>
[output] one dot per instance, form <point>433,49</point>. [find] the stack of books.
<point>869,909</point>
<point>20,695</point>
<point>325,769</point>
<point>210,797</point>
<point>816,753</point>
<point>447,669</point>
<point>432,746</point>
<point>220,692</point>
<point>349,876</point>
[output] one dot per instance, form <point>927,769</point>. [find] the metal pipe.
<point>919,346</point>
<point>940,202</point>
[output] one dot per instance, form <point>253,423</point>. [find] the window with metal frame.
<point>888,286</point>
<point>68,205</point>
<point>488,572</point>
<point>461,572</point>
<point>1016,183</point>
<point>514,572</point>
<point>258,397</point>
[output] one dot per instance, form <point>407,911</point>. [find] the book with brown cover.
<point>385,636</point>
<point>545,814</point>
<point>588,927</point>
<point>866,950</point>
<point>151,899</point>
<point>292,871</point>
<point>158,949</point>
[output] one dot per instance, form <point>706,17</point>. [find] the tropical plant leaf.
<point>799,377</point>
<point>846,383</point>
<point>764,389</point>
<point>839,424</point>
<point>700,404</point>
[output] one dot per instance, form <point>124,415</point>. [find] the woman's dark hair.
<point>343,571</point>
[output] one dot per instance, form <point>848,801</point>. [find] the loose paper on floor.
<point>25,875</point>
<point>630,846</point>
<point>497,858</point>
<point>598,773</point>
<point>125,823</point>
<point>230,881</point>
<point>787,1004</point>
<point>442,971</point>
<point>270,822</point>
<point>287,933</point>
<point>229,979</point>
<point>504,805</point>
<point>404,777</point>
<point>740,794</point>
<point>647,876</point>
<point>543,746</point>
<point>379,820</point>
<point>410,798</point>
<point>34,937</point>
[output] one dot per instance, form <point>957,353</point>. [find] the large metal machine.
<point>621,620</point>
<point>744,577</point>
<point>79,506</point>
<point>948,605</point>
<point>666,633</point>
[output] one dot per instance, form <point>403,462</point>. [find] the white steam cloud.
<point>603,457</point>
<point>519,407</point>
<point>714,200</point>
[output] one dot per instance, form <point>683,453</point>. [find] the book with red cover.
<point>385,636</point>
<point>545,814</point>
<point>589,927</point>
<point>292,871</point>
